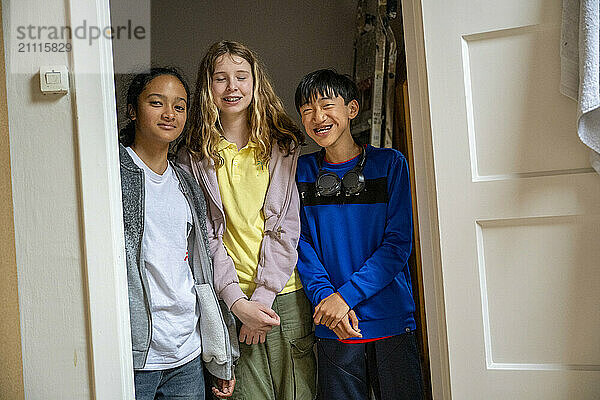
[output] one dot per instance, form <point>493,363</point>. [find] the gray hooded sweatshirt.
<point>217,326</point>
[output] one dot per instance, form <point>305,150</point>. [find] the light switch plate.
<point>54,79</point>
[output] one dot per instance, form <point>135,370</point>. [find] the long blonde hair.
<point>267,118</point>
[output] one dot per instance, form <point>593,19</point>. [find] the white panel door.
<point>519,207</point>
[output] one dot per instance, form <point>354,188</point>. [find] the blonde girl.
<point>242,148</point>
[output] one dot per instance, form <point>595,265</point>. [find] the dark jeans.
<point>388,366</point>
<point>185,382</point>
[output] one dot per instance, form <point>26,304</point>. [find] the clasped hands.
<point>257,319</point>
<point>335,313</point>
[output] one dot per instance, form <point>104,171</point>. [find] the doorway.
<point>181,32</point>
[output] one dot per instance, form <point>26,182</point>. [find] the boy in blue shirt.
<point>356,238</point>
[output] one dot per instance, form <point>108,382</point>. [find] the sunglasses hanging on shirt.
<point>352,183</point>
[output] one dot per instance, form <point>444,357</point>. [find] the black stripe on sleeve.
<point>375,191</point>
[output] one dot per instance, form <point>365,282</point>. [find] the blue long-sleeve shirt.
<point>359,245</point>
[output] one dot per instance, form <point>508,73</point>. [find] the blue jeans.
<point>390,367</point>
<point>185,382</point>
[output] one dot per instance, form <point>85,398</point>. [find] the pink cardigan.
<point>278,254</point>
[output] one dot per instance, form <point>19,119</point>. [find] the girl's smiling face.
<point>161,110</point>
<point>232,84</point>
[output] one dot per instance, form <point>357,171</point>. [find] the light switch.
<point>54,79</point>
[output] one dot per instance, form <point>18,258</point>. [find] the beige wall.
<point>45,192</point>
<point>11,379</point>
<point>292,38</point>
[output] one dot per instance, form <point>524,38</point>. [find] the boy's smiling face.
<point>326,119</point>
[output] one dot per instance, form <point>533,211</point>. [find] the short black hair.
<point>325,82</point>
<point>136,86</point>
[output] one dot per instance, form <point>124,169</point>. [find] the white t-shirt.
<point>167,223</point>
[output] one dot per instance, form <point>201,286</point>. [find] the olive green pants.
<point>284,367</point>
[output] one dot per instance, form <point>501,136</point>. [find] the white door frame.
<point>431,259</point>
<point>94,94</point>
<point>111,364</point>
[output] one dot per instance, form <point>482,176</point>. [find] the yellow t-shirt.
<point>243,184</point>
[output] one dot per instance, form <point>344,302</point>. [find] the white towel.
<point>580,68</point>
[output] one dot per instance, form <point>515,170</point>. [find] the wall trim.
<point>414,41</point>
<point>94,103</point>
<point>92,83</point>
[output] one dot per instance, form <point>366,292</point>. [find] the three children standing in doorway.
<point>237,167</point>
